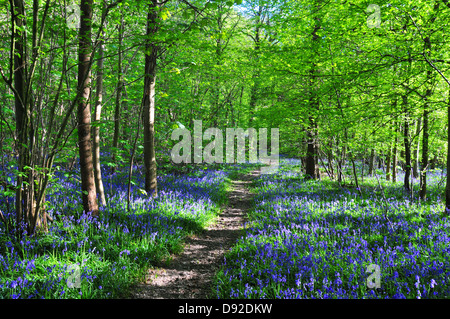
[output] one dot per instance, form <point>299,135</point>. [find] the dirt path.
<point>190,275</point>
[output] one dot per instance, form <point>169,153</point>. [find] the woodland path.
<point>190,274</point>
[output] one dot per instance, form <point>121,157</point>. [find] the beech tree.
<point>89,194</point>
<point>97,118</point>
<point>151,55</point>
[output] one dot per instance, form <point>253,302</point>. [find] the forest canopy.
<point>90,88</point>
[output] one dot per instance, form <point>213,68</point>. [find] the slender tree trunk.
<point>25,199</point>
<point>371,162</point>
<point>115,145</point>
<point>355,175</point>
<point>447,188</point>
<point>215,88</point>
<point>340,163</point>
<point>151,52</point>
<point>363,163</point>
<point>254,90</point>
<point>330,160</point>
<point>423,171</point>
<point>130,168</point>
<point>395,155</point>
<point>84,111</point>
<point>126,134</point>
<point>96,128</point>
<point>407,144</point>
<point>312,168</point>
<point>20,107</point>
<point>27,183</point>
<point>317,158</point>
<point>311,152</point>
<point>417,155</point>
<point>426,112</point>
<point>388,164</point>
<point>253,98</point>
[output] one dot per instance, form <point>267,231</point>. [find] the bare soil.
<point>190,275</point>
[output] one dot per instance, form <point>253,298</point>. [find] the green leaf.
<point>211,5</point>
<point>142,191</point>
<point>165,14</point>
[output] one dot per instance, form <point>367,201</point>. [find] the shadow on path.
<point>191,274</point>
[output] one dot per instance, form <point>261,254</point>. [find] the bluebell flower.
<point>13,284</point>
<point>433,283</point>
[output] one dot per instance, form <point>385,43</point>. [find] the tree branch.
<point>2,218</point>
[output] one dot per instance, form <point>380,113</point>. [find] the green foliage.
<point>300,66</point>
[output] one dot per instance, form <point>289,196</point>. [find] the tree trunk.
<point>416,157</point>
<point>424,166</point>
<point>151,51</point>
<point>96,128</point>
<point>395,155</point>
<point>426,112</point>
<point>20,110</point>
<point>330,160</point>
<point>371,162</point>
<point>363,162</point>
<point>126,133</point>
<point>253,97</point>
<point>407,144</point>
<point>388,164</point>
<point>429,84</point>
<point>311,153</point>
<point>254,90</point>
<point>312,168</point>
<point>317,158</point>
<point>115,145</point>
<point>84,111</point>
<point>447,187</point>
<point>355,176</point>
<point>28,183</point>
<point>340,165</point>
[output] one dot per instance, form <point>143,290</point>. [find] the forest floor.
<point>190,274</point>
